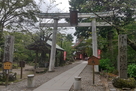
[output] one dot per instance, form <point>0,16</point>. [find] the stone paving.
<point>64,81</point>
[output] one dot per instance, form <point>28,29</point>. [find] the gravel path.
<point>39,79</point>
<point>87,81</point>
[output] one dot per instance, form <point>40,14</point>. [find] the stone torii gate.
<point>57,16</point>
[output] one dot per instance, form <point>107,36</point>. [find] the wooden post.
<point>7,77</point>
<point>93,76</point>
<point>36,62</point>
<point>21,72</point>
<point>22,64</point>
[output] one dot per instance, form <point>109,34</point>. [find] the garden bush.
<point>132,70</point>
<point>105,64</point>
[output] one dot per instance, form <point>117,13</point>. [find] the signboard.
<point>22,63</point>
<point>8,49</point>
<point>93,61</point>
<point>7,65</point>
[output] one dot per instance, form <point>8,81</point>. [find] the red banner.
<point>81,56</point>
<point>65,54</point>
<point>99,53</point>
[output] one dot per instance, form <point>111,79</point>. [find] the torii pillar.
<point>53,47</point>
<point>94,43</point>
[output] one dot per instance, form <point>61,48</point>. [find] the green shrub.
<point>14,66</point>
<point>132,70</point>
<point>105,64</point>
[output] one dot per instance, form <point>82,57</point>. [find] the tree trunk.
<point>131,44</point>
<point>110,35</point>
<point>110,47</point>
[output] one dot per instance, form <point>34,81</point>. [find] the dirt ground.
<point>26,71</point>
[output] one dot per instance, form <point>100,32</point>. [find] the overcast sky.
<point>62,7</point>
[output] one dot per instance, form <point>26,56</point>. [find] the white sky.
<point>62,7</point>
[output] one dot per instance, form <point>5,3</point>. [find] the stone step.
<point>113,89</point>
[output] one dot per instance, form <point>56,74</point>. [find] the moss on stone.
<point>124,83</point>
